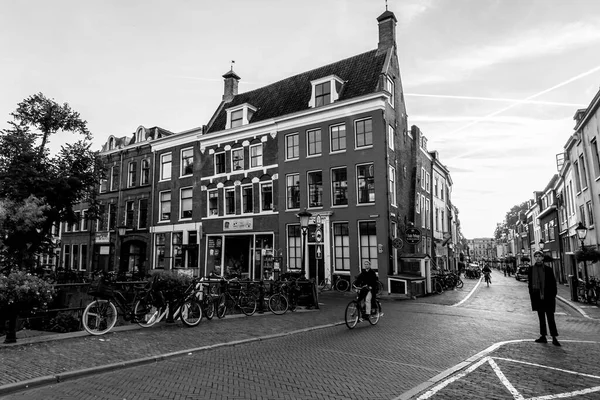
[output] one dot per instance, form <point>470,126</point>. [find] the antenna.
<point>233,62</point>
<point>386,5</point>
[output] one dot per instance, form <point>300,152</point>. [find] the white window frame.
<point>392,188</point>
<point>366,146</point>
<point>239,162</point>
<point>389,86</point>
<point>225,192</point>
<point>131,180</point>
<point>391,135</point>
<point>114,185</point>
<point>208,198</point>
<point>341,127</point>
<point>160,206</point>
<point>248,111</point>
<point>332,79</point>
<point>164,165</point>
<point>142,169</point>
<point>287,137</point>
<point>308,142</point>
<point>259,158</point>
<point>263,184</point>
<point>243,197</point>
<point>221,153</point>
<point>182,165</point>
<point>191,200</point>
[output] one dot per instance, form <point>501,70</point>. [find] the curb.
<point>51,379</point>
<point>575,307</point>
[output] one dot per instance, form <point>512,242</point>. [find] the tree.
<point>56,182</point>
<point>510,220</point>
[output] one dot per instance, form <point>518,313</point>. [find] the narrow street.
<point>414,342</point>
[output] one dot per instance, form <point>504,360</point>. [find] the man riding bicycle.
<point>368,281</point>
<point>486,272</point>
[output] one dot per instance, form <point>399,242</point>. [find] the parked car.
<point>522,272</point>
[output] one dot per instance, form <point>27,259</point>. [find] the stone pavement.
<point>42,360</point>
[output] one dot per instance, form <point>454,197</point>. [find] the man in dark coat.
<point>542,291</point>
<point>370,283</point>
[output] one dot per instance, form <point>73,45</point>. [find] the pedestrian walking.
<point>542,291</point>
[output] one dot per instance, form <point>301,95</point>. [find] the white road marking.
<point>505,381</point>
<point>469,295</point>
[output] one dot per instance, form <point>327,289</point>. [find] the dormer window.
<point>325,91</point>
<point>140,134</point>
<point>239,115</point>
<point>111,143</point>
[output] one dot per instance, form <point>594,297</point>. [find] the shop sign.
<point>102,237</point>
<point>241,224</point>
<point>413,235</point>
<point>104,250</point>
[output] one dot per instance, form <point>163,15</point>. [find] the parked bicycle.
<point>587,293</point>
<point>233,296</point>
<point>100,316</point>
<point>355,309</point>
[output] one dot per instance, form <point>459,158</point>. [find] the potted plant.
<point>20,294</point>
<point>587,254</point>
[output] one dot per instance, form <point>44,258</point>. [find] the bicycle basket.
<point>99,287</point>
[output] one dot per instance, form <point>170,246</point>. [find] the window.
<point>389,86</point>
<point>177,249</point>
<point>590,211</point>
<point>165,206</point>
<point>292,146</point>
<point>230,201</point>
<point>219,163</point>
<point>364,133</point>
<point>596,156</point>
<point>143,214</point>
<point>427,215</point>
<point>583,172</point>
<point>427,184</point>
<point>314,142</point>
<point>435,187</point>
<point>101,222</point>
<point>186,203</point>
<point>582,213</point>
<point>322,94</point>
<point>67,258</point>
<point>443,227</point>
<point>132,174</point>
<point>418,204</point>
<point>392,188</point>
<point>160,250</point>
<point>368,243</point>
<point>103,185</point>
<point>129,214</point>
<point>75,257</point>
<point>315,189</point>
<point>339,186</point>
<point>114,180</point>
<point>84,220</point>
<point>423,215</point>
<point>442,189</point>
<point>577,176</point>
<point>256,153</point>
<point>112,216</point>
<point>165,166</point>
<point>213,202</point>
<point>237,159</point>
<point>391,135</point>
<point>422,178</point>
<point>145,172</point>
<point>294,247</point>
<point>77,221</point>
<point>84,254</point>
<point>341,247</point>
<point>187,162</point>
<point>337,135</point>
<point>237,118</point>
<point>247,199</point>
<point>266,196</point>
<point>365,183</point>
<point>436,219</point>
<point>293,191</point>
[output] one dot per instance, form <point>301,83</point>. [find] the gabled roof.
<point>360,74</point>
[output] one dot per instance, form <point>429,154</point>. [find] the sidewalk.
<point>590,311</point>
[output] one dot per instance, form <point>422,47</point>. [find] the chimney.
<point>387,31</point>
<point>231,86</point>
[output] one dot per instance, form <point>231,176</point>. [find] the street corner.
<point>520,369</point>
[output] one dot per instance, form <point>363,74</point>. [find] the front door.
<point>316,266</point>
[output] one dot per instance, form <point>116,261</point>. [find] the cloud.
<point>540,102</point>
<point>412,10</point>
<point>522,46</point>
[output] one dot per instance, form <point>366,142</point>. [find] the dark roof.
<point>290,95</point>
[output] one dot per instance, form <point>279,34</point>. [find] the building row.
<point>317,173</point>
<point>562,217</point>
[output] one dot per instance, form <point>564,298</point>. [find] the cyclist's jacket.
<point>367,278</point>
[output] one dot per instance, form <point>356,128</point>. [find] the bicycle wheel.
<point>247,304</point>
<point>99,317</point>
<point>342,285</point>
<point>374,317</point>
<point>437,287</point>
<point>278,304</point>
<point>380,287</point>
<point>148,314</point>
<point>459,283</point>
<point>351,316</point>
<point>191,313</point>
<point>221,306</point>
<point>209,308</point>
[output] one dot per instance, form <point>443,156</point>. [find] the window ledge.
<point>364,147</point>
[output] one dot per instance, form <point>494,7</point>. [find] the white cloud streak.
<point>497,99</point>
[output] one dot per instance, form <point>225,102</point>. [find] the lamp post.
<point>582,233</point>
<point>304,218</point>
<point>120,232</point>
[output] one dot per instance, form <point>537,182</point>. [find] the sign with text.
<point>413,235</point>
<point>241,224</point>
<point>102,237</point>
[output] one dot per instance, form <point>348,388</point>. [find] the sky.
<point>493,84</point>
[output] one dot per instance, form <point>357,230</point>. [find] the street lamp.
<point>582,233</point>
<point>120,231</point>
<point>304,218</point>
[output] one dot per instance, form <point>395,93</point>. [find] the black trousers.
<point>542,316</point>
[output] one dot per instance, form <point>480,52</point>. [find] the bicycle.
<point>379,285</point>
<point>342,284</point>
<point>436,285</point>
<point>227,301</point>
<point>325,285</point>
<point>356,308</point>
<point>205,296</point>
<point>186,306</point>
<point>100,316</point>
<point>488,278</point>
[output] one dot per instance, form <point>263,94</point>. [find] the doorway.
<point>316,266</point>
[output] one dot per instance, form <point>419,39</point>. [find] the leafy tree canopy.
<point>510,220</point>
<point>28,170</point>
